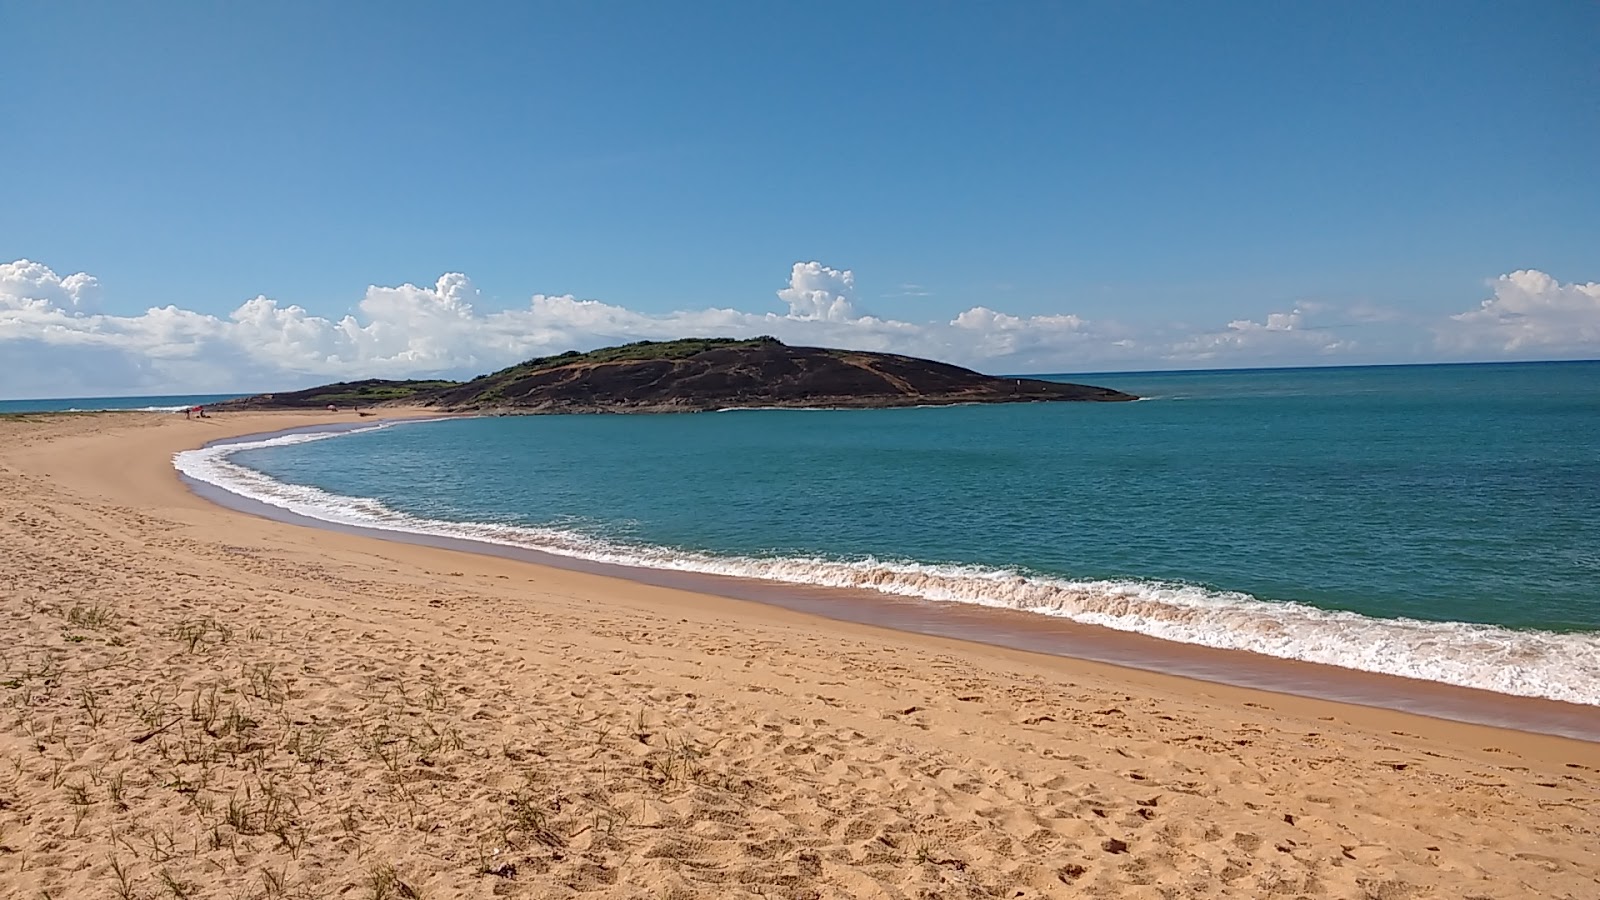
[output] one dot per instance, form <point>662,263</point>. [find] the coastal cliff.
<point>696,375</point>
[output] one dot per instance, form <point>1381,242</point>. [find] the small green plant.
<point>275,885</point>
<point>190,634</point>
<point>116,790</point>
<point>527,818</point>
<point>179,889</point>
<point>264,686</point>
<point>78,796</point>
<point>238,817</point>
<point>194,634</point>
<point>434,700</point>
<point>91,708</point>
<point>124,878</point>
<point>96,616</point>
<point>384,883</point>
<point>205,709</point>
<point>163,846</point>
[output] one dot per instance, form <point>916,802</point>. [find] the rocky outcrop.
<point>697,375</point>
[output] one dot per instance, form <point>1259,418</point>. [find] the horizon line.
<point>1219,370</point>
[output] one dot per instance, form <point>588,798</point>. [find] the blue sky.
<point>1157,171</point>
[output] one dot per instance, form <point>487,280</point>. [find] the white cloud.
<point>1530,312</point>
<point>909,289</point>
<point>818,292</point>
<point>25,282</point>
<point>1280,337</point>
<point>1283,322</point>
<point>396,332</point>
<point>989,334</point>
<point>52,342</point>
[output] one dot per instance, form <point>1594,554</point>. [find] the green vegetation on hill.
<point>638,350</point>
<point>363,393</point>
<point>345,393</point>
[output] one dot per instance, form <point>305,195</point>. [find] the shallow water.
<point>1438,522</point>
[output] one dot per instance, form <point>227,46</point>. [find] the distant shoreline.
<point>51,404</point>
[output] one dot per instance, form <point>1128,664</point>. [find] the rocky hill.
<point>695,375</point>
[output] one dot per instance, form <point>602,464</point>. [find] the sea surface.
<point>160,403</point>
<point>1435,522</point>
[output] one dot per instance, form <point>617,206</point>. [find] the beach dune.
<point>195,702</point>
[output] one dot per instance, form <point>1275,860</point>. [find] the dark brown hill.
<point>703,374</point>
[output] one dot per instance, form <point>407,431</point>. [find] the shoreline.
<point>198,697</point>
<point>1010,629</point>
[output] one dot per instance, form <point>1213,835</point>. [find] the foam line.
<point>1557,666</point>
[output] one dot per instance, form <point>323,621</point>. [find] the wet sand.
<point>324,713</point>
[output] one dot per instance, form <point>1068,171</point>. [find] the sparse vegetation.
<point>369,392</point>
<point>490,387</point>
<point>94,616</point>
<point>638,350</point>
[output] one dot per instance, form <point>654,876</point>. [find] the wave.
<point>28,406</point>
<point>730,409</point>
<point>1528,663</point>
<point>96,409</point>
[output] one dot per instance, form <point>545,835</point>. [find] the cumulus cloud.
<point>816,292</point>
<point>53,341</point>
<point>1529,312</point>
<point>25,282</point>
<point>1281,335</point>
<point>1283,322</point>
<point>402,331</point>
<point>991,334</point>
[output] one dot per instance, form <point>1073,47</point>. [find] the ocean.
<point>160,403</point>
<point>1433,522</point>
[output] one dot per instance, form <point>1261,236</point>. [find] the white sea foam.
<point>1524,663</point>
<point>74,409</point>
<point>728,409</point>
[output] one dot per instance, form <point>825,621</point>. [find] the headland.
<point>694,375</point>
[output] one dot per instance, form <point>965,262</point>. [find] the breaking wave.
<point>167,409</point>
<point>1528,663</point>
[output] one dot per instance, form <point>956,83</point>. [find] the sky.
<point>213,197</point>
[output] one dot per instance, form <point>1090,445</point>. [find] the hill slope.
<point>369,392</point>
<point>705,374</point>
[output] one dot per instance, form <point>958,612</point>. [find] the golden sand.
<point>200,703</point>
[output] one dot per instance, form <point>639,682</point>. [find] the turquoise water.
<point>157,403</point>
<point>1323,514</point>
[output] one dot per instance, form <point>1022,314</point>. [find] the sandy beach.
<point>195,702</point>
